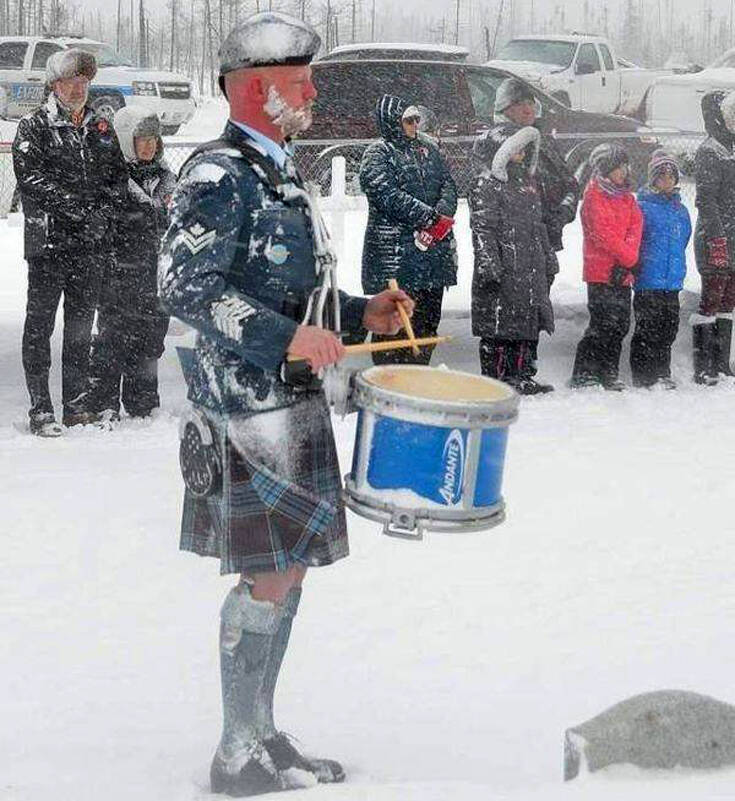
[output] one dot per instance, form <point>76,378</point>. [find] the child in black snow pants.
<point>514,262</point>
<point>131,327</point>
<point>660,274</point>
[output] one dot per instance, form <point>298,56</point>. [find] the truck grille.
<point>175,91</point>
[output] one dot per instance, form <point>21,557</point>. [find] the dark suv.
<point>460,95</point>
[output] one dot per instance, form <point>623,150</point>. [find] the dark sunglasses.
<point>410,120</point>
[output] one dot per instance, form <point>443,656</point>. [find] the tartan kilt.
<point>264,519</point>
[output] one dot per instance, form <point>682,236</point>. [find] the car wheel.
<point>107,105</point>
<point>170,130</point>
<point>563,98</point>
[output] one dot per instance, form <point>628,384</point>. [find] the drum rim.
<point>496,412</point>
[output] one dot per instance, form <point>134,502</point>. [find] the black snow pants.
<point>598,353</point>
<point>656,326</point>
<point>425,323</point>
<point>510,360</point>
<point>130,339</point>
<point>78,278</point>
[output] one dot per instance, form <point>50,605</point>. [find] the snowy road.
<point>446,669</point>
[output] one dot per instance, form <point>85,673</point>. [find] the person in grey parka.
<point>412,200</point>
<point>514,261</point>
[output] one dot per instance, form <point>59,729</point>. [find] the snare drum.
<point>429,449</point>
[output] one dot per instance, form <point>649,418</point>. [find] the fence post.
<point>339,177</point>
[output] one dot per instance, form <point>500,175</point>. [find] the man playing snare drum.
<point>238,264</point>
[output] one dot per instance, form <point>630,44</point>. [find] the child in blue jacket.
<point>667,228</point>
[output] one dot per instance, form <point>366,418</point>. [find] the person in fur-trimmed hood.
<point>514,261</point>
<point>412,200</point>
<point>612,224</point>
<point>73,182</point>
<point>131,326</point>
<point>714,238</point>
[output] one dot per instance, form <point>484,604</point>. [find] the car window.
<point>41,54</point>
<point>349,91</point>
<point>538,50</point>
<point>12,55</point>
<point>607,57</point>
<point>588,57</point>
<point>482,91</point>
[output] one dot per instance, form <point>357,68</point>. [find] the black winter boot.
<point>704,340</point>
<point>284,755</point>
<point>525,383</point>
<point>724,340</point>
<point>256,777</point>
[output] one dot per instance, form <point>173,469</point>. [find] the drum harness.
<point>199,456</point>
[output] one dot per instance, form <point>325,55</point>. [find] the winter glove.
<point>717,252</point>
<point>618,276</point>
<point>440,228</point>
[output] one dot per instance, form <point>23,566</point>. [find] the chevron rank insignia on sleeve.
<point>197,238</point>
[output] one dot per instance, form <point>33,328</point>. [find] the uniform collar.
<point>278,153</point>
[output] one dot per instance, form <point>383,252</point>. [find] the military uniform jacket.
<point>238,264</point>
<point>73,181</point>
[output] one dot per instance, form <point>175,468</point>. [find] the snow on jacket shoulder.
<point>667,229</point>
<point>612,227</point>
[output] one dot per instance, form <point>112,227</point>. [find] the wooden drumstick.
<point>393,284</point>
<point>395,344</point>
<point>391,344</point>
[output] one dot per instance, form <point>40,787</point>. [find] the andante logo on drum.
<point>453,463</point>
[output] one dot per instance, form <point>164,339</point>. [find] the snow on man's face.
<point>290,98</point>
<point>72,92</point>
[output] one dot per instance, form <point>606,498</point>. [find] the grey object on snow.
<point>268,39</point>
<point>659,730</point>
<point>69,64</point>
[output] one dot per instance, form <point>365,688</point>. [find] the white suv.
<point>117,83</point>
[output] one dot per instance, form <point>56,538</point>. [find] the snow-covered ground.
<point>446,669</point>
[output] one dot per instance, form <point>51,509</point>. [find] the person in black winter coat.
<point>72,180</point>
<point>131,325</point>
<point>412,200</point>
<point>514,261</point>
<point>714,238</point>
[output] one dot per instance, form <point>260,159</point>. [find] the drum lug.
<point>403,526</point>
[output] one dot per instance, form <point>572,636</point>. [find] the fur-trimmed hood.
<point>131,122</point>
<point>510,139</point>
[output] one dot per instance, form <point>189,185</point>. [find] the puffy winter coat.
<point>714,170</point>
<point>612,227</point>
<point>513,257</point>
<point>557,186</point>
<point>72,181</point>
<point>238,264</point>
<point>407,183</point>
<point>667,229</point>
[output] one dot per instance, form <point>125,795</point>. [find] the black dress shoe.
<point>285,756</point>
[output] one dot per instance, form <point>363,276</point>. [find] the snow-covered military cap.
<point>268,39</point>
<point>69,64</point>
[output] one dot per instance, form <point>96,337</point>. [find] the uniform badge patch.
<point>277,254</point>
<point>197,238</point>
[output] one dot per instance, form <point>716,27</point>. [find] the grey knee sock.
<point>246,632</point>
<point>279,644</point>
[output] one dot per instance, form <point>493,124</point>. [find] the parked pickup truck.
<point>583,72</point>
<point>117,83</point>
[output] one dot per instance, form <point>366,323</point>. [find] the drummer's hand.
<point>381,313</point>
<point>316,345</point>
